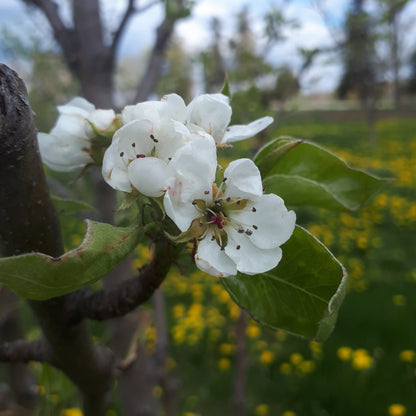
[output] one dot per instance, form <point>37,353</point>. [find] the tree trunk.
<point>29,222</point>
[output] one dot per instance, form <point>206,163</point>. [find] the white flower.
<point>67,147</point>
<point>212,112</point>
<point>142,150</point>
<point>238,228</point>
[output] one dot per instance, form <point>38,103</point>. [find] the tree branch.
<point>128,13</point>
<point>119,300</point>
<point>130,10</point>
<point>21,351</point>
<point>163,35</point>
<point>50,10</point>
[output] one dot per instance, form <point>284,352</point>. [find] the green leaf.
<point>272,152</point>
<point>302,295</point>
<point>71,206</point>
<point>38,276</point>
<point>226,87</point>
<point>311,175</point>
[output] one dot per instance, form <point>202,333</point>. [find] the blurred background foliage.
<point>368,365</point>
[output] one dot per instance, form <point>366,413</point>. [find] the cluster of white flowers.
<point>165,149</point>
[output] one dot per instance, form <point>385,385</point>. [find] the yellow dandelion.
<point>399,300</point>
<point>157,391</point>
<point>361,360</point>
<point>397,409</point>
<point>262,410</point>
<point>288,413</point>
<point>267,357</point>
<point>344,353</point>
<point>306,366</point>
<point>75,411</point>
<point>253,331</point>
<point>285,369</point>
<point>227,349</point>
<point>407,355</point>
<point>224,364</point>
<point>296,358</point>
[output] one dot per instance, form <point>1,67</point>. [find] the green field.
<point>367,367</point>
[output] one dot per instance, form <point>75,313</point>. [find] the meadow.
<point>367,366</point>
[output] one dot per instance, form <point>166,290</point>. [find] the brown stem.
<point>21,351</point>
<point>117,301</point>
<point>169,385</point>
<point>240,365</point>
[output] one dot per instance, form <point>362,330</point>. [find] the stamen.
<point>140,156</point>
<point>217,201</point>
<point>194,202</point>
<point>213,238</point>
<point>224,179</point>
<point>228,199</point>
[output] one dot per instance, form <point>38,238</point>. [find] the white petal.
<point>182,213</point>
<point>149,110</point>
<point>211,259</point>
<point>249,258</point>
<point>268,220</point>
<point>171,135</point>
<point>69,127</point>
<point>210,112</point>
<point>114,170</point>
<point>135,139</point>
<point>243,180</point>
<point>150,175</point>
<point>79,102</point>
<point>195,165</point>
<point>175,107</point>
<point>241,132</point>
<point>62,156</point>
<point>102,119</point>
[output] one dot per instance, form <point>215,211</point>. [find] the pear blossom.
<point>68,146</point>
<point>212,112</point>
<point>141,152</point>
<point>238,228</point>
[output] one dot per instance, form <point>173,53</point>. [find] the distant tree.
<point>176,75</point>
<point>391,11</point>
<point>359,60</point>
<point>213,60</point>
<point>247,64</point>
<point>91,54</point>
<point>287,85</point>
<point>358,56</point>
<point>411,86</point>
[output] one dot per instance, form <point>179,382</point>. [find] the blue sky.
<point>194,31</point>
